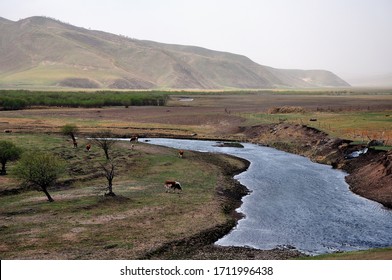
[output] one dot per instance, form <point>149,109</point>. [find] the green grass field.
<point>82,223</point>
<point>373,254</point>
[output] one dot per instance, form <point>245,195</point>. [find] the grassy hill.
<point>42,52</point>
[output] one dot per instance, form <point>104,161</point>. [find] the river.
<point>296,203</point>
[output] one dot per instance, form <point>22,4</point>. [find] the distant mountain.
<point>43,52</point>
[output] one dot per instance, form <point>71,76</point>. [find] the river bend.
<point>297,203</point>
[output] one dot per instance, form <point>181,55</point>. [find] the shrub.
<point>41,170</point>
<point>286,110</point>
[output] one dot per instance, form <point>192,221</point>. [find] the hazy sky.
<point>349,37</point>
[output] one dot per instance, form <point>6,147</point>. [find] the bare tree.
<point>105,141</point>
<point>108,171</point>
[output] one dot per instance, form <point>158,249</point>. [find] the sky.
<point>352,38</point>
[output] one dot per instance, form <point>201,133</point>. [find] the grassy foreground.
<point>372,254</point>
<point>83,224</point>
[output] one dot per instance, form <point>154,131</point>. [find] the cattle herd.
<point>170,185</point>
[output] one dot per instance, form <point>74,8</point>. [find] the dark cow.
<point>75,144</point>
<point>134,139</point>
<point>172,185</point>
<point>88,147</point>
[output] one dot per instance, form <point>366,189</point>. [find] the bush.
<point>286,110</point>
<point>13,103</point>
<point>8,152</point>
<point>41,170</point>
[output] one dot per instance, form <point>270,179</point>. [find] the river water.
<point>297,203</point>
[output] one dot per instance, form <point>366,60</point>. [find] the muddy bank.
<point>373,177</point>
<point>370,174</point>
<point>201,246</point>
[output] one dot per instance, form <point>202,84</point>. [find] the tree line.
<point>21,99</point>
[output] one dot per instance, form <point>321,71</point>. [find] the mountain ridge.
<point>44,52</point>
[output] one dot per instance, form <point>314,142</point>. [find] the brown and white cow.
<point>134,139</point>
<point>88,147</point>
<point>180,153</point>
<point>172,185</point>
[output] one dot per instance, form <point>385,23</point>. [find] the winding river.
<point>297,203</point>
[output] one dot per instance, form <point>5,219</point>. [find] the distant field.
<point>356,114</point>
<point>360,126</point>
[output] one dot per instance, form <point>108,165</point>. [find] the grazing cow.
<point>88,147</point>
<point>172,185</point>
<point>7,130</point>
<point>134,139</point>
<point>180,153</point>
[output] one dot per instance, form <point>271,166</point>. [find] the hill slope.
<point>42,52</point>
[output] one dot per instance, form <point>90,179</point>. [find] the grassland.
<point>360,126</point>
<point>352,114</point>
<point>83,224</point>
<point>373,254</point>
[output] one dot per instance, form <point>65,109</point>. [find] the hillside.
<point>42,52</point>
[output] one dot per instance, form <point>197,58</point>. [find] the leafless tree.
<point>108,171</point>
<point>105,141</point>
